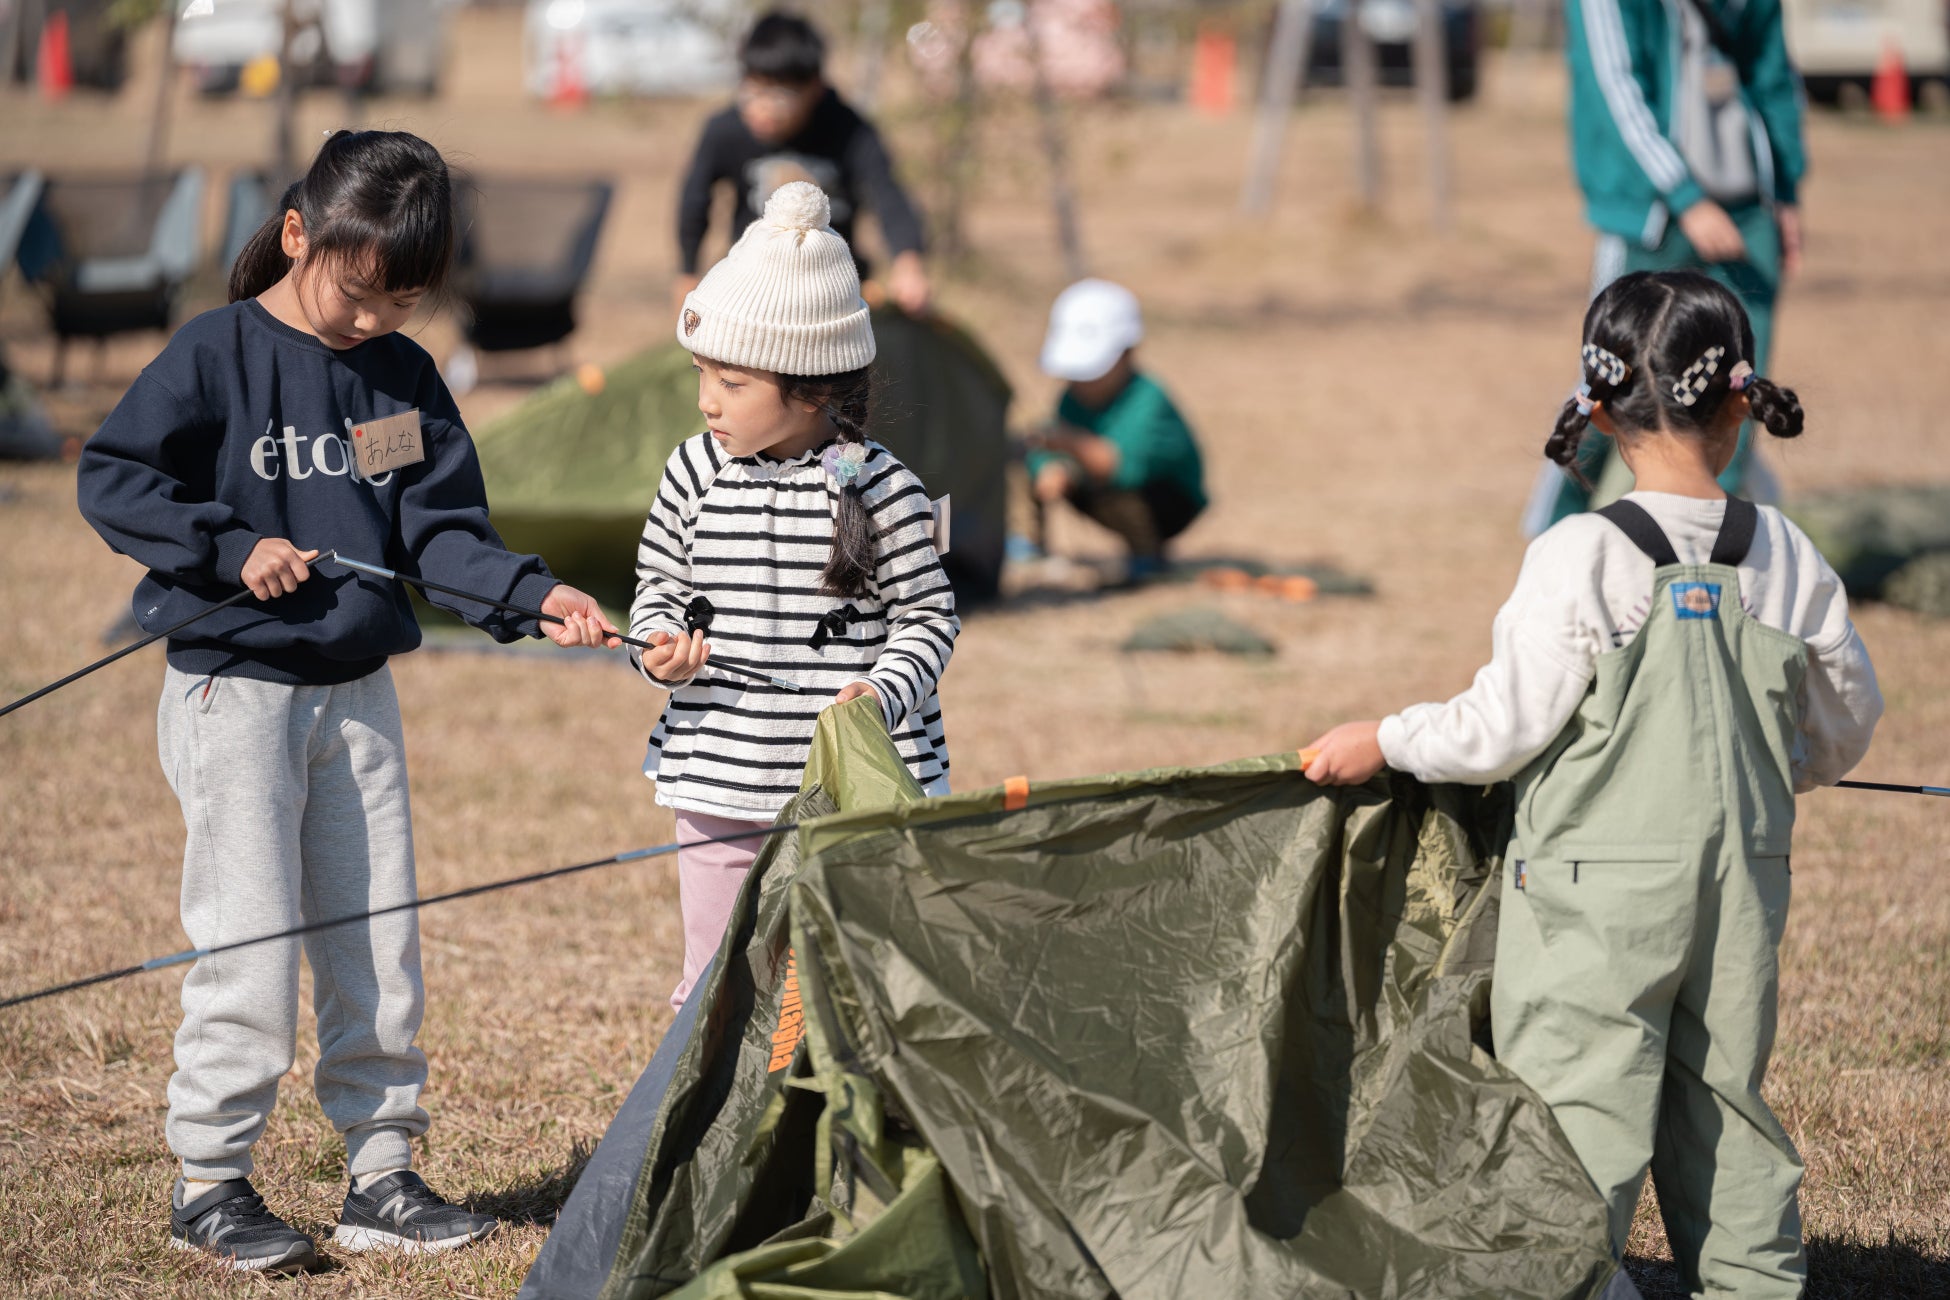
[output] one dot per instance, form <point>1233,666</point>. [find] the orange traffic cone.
<point>1889,92</point>
<point>1215,59</point>
<point>568,90</point>
<point>54,62</point>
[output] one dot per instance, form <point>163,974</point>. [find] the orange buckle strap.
<point>1015,794</point>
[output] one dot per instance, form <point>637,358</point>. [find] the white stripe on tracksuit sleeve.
<point>1611,60</point>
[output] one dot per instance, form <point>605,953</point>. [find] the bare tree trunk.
<point>1432,89</point>
<point>158,146</point>
<point>284,155</point>
<point>1286,64</point>
<point>958,145</point>
<point>875,16</point>
<point>1358,68</point>
<point>1062,197</point>
<point>10,43</point>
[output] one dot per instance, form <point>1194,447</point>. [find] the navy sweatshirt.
<point>239,431</point>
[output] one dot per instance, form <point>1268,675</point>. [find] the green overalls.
<point>1642,910</point>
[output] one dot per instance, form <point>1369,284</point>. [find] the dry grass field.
<point>1370,395</point>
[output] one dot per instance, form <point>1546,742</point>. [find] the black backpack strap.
<point>1631,519</point>
<point>1736,532</point>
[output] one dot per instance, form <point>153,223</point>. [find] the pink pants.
<point>708,880</point>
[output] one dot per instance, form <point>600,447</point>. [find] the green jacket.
<point>1154,443</point>
<point>1625,62</point>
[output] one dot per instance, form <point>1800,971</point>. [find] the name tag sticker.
<point>938,528</point>
<point>384,445</point>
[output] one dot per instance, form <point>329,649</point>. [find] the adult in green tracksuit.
<point>1685,122</point>
<point>1668,673</point>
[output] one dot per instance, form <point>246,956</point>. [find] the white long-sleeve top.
<point>751,535</point>
<point>1585,590</point>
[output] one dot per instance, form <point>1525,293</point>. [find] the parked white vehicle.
<point>631,47</point>
<point>1842,42</point>
<point>394,46</point>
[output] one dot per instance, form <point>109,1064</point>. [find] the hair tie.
<point>1586,402</point>
<point>844,461</point>
<point>1740,376</point>
<point>1606,365</point>
<point>1690,386</point>
<point>698,614</point>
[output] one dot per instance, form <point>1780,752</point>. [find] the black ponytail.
<point>846,400</point>
<point>381,201</point>
<point>1661,350</point>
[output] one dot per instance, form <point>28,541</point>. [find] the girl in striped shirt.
<point>782,540</point>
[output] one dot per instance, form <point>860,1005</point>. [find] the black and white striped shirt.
<point>751,535</point>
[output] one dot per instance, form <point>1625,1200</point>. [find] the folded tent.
<point>111,253</point>
<point>1179,1032</point>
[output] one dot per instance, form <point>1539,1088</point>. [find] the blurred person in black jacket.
<point>789,125</point>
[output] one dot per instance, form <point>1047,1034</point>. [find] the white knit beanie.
<point>786,298</point>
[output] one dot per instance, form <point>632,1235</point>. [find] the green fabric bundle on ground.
<point>1172,1033</point>
<point>1922,585</point>
<point>1187,630</point>
<point>1867,534</point>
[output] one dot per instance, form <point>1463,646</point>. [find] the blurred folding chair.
<point>249,207</point>
<point>25,433</point>
<point>21,193</point>
<point>110,254</point>
<point>525,249</point>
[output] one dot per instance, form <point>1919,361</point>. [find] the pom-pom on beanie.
<point>786,298</point>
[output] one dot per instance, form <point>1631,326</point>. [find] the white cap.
<point>786,298</point>
<point>1090,326</point>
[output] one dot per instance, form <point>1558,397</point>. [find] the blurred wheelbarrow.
<point>110,253</point>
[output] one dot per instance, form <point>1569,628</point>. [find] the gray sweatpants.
<point>295,802</point>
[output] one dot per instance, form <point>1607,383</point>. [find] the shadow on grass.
<point>539,1199</point>
<point>1839,1268</point>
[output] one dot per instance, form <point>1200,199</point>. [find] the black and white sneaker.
<point>400,1212</point>
<point>230,1222</point>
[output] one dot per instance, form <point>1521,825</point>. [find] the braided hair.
<point>1665,350</point>
<point>846,400</point>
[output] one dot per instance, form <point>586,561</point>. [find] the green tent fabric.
<point>572,470</point>
<point>1179,1032</point>
<point>1868,534</point>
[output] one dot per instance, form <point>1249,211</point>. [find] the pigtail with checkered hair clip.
<point>1605,374</point>
<point>846,400</point>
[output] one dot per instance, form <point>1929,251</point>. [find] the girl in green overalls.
<point>1666,676</point>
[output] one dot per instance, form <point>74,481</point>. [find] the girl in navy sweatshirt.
<point>295,420</point>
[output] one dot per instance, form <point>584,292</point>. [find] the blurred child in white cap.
<point>786,541</point>
<point>1117,451</point>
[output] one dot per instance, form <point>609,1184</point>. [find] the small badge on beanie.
<point>691,321</point>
